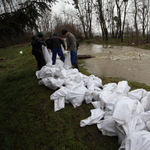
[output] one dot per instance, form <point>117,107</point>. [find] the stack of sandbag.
<point>117,110</point>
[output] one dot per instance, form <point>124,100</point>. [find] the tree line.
<point>110,18</point>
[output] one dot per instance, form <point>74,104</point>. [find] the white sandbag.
<point>67,62</point>
<point>92,93</point>
<point>52,83</point>
<point>107,127</point>
<point>96,104</point>
<point>94,80</point>
<point>76,93</point>
<point>62,92</point>
<point>145,116</point>
<point>120,132</point>
<point>96,115</point>
<point>145,101</point>
<point>106,93</point>
<point>62,73</point>
<point>59,104</point>
<point>122,88</point>
<point>136,141</point>
<point>59,64</point>
<point>46,54</point>
<point>136,124</point>
<point>77,78</point>
<point>112,100</point>
<point>126,109</point>
<point>148,125</point>
<point>47,71</point>
<point>137,94</point>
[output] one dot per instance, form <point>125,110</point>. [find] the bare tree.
<point>84,14</point>
<point>100,12</point>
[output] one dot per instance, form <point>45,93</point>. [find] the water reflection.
<point>89,49</point>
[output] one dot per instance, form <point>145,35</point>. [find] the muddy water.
<point>127,63</point>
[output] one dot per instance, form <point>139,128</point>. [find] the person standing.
<point>37,42</point>
<point>71,45</point>
<point>54,43</point>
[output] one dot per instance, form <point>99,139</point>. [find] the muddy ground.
<point>127,63</point>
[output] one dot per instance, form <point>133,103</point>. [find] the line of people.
<point>54,44</point>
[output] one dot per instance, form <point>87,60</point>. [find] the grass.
<point>27,117</point>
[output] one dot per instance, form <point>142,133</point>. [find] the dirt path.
<point>127,63</point>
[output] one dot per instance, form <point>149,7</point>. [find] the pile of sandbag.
<point>117,110</point>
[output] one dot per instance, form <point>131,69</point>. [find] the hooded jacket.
<point>37,45</point>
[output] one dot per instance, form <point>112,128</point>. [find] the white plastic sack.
<point>126,109</point>
<point>107,127</point>
<point>76,93</point>
<point>122,88</point>
<point>136,141</point>
<point>46,71</point>
<point>67,62</point>
<point>51,82</point>
<point>96,115</point>
<point>59,104</point>
<point>46,54</point>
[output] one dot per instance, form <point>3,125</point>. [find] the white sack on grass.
<point>107,127</point>
<point>76,78</point>
<point>62,73</point>
<point>67,62</point>
<point>62,92</point>
<point>145,101</point>
<point>122,88</point>
<point>94,80</point>
<point>96,115</point>
<point>52,83</point>
<point>96,104</point>
<point>126,109</point>
<point>76,93</point>
<point>46,71</point>
<point>136,124</point>
<point>106,93</point>
<point>59,103</point>
<point>136,141</point>
<point>137,94</point>
<point>143,96</point>
<point>46,54</point>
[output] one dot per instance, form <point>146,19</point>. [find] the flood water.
<point>125,62</point>
<point>113,53</point>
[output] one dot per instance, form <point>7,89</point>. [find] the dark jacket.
<point>37,45</point>
<point>54,42</point>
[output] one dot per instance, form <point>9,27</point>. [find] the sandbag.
<point>67,62</point>
<point>46,54</point>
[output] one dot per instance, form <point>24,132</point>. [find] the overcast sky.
<point>60,5</point>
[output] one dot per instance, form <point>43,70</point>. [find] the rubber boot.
<point>75,66</point>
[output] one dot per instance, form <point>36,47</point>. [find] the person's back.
<point>37,42</point>
<point>54,43</point>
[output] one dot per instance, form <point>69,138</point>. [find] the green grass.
<point>27,117</point>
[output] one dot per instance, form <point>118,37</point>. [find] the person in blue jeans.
<point>54,43</point>
<point>72,46</point>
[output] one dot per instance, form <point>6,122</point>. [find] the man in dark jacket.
<point>37,42</point>
<point>54,43</point>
